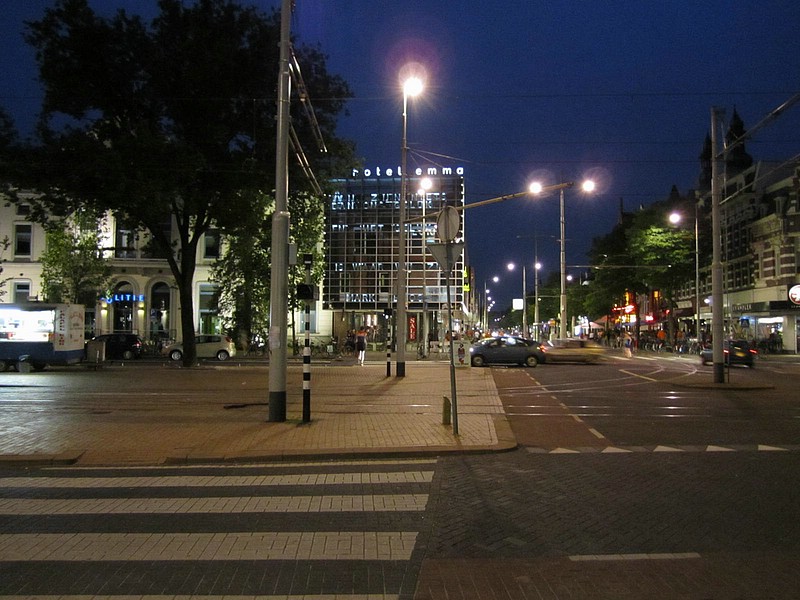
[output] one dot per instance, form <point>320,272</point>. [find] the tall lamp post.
<point>486,301</point>
<point>411,87</point>
<point>536,188</point>
<point>675,218</point>
<point>537,323</point>
<point>511,267</point>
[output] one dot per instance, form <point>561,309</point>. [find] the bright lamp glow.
<point>674,218</point>
<point>535,188</point>
<point>588,185</point>
<point>511,266</point>
<point>412,86</point>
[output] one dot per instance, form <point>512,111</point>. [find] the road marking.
<point>645,377</point>
<point>267,545</point>
<point>645,556</point>
<point>764,448</point>
<point>221,481</point>
<point>227,505</point>
<point>660,448</point>
<point>596,433</point>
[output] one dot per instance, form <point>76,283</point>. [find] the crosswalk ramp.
<point>345,530</point>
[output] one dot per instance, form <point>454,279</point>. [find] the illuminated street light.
<point>412,86</point>
<point>536,188</point>
<point>487,302</point>
<point>675,218</point>
<point>511,267</point>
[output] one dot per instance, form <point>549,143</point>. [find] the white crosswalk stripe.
<point>221,523</point>
<point>245,504</point>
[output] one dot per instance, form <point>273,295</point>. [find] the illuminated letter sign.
<point>397,171</point>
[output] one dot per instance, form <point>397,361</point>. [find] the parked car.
<point>220,347</point>
<point>120,346</point>
<point>571,350</point>
<point>505,350</point>
<point>735,352</point>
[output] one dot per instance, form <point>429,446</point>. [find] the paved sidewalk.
<point>128,417</point>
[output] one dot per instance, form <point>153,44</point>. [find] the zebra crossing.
<point>344,529</point>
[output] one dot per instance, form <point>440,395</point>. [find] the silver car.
<point>216,346</point>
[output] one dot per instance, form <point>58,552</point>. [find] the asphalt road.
<point>658,400</point>
<point>629,483</point>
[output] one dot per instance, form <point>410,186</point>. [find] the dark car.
<point>508,350</point>
<point>120,346</point>
<point>735,352</point>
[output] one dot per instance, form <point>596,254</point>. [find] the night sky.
<point>524,90</point>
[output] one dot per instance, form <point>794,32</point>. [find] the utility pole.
<point>717,312</point>
<point>279,293</point>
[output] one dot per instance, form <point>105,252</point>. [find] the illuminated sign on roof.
<point>397,172</point>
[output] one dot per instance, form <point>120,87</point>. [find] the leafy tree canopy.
<point>169,121</point>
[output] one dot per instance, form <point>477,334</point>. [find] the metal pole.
<point>307,259</point>
<point>536,288</point>
<point>307,365</point>
<point>717,326</point>
<point>402,290</point>
<point>524,305</point>
<point>453,390</point>
<point>278,312</point>
<point>696,273</point>
<point>563,297</point>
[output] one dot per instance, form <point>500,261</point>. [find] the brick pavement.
<point>355,410</point>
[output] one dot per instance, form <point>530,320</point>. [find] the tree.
<point>73,267</point>
<point>666,256</point>
<point>171,122</point>
<point>243,275</point>
<point>642,254</point>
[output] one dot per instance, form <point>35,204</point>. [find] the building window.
<point>209,314</point>
<point>23,210</point>
<point>125,243</point>
<point>22,291</point>
<point>23,234</point>
<point>211,244</point>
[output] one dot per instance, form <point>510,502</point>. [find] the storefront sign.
<point>794,294</point>
<point>124,298</point>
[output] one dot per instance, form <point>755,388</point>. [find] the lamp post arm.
<point>548,188</point>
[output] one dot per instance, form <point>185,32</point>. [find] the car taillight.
<point>228,339</point>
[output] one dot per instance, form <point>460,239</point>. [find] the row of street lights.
<point>412,86</point>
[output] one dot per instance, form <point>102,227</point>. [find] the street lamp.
<point>486,299</point>
<point>675,218</point>
<point>511,267</point>
<point>537,323</point>
<point>412,86</point>
<point>537,188</point>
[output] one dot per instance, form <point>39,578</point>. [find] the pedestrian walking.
<point>627,342</point>
<point>361,345</point>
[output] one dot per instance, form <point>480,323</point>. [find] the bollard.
<point>24,364</point>
<point>446,410</point>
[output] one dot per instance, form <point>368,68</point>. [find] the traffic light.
<point>307,291</point>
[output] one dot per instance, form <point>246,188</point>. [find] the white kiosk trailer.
<point>38,334</point>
